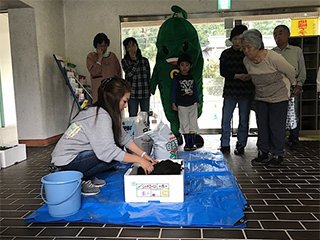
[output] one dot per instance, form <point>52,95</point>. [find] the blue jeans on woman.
<point>88,163</point>
<point>133,105</point>
<point>229,105</point>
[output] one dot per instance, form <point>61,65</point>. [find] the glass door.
<point>212,81</point>
<point>213,40</point>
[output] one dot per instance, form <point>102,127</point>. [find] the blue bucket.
<point>63,192</point>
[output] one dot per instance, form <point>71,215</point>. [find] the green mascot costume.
<point>176,36</point>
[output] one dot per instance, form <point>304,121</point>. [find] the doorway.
<point>8,128</point>
<point>213,39</point>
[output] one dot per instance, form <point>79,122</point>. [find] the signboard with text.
<point>304,26</point>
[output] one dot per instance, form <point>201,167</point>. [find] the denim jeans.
<point>134,103</point>
<point>88,163</point>
<point>229,105</point>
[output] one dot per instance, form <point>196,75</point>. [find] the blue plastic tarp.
<point>212,199</point>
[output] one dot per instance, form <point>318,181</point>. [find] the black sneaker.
<point>294,146</point>
<point>262,159</point>
<point>225,149</point>
<point>98,182</point>
<point>88,189</point>
<point>275,161</point>
<point>53,169</point>
<point>239,149</point>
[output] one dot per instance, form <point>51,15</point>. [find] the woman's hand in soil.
<point>153,161</point>
<point>147,166</point>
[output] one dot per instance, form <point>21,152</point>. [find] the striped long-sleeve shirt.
<point>137,73</point>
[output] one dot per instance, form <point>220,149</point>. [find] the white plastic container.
<point>161,188</point>
<point>15,154</point>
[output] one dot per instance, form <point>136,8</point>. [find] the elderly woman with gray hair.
<point>272,76</point>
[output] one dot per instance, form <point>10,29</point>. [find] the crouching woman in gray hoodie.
<point>93,142</point>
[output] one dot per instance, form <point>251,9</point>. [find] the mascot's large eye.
<point>165,50</point>
<point>185,46</point>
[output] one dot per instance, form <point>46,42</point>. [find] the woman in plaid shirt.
<point>137,73</point>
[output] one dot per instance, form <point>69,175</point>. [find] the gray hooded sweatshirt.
<point>88,132</point>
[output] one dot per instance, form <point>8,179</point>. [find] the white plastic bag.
<point>136,127</point>
<point>142,123</point>
<point>145,142</point>
<point>165,144</point>
<point>129,125</point>
<point>292,122</point>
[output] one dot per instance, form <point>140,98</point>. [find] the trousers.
<point>88,163</point>
<point>229,105</point>
<point>271,119</point>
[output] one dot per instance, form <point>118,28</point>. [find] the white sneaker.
<point>88,189</point>
<point>98,182</point>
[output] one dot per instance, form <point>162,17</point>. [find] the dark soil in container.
<point>165,167</point>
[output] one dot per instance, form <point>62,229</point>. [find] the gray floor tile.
<point>285,201</point>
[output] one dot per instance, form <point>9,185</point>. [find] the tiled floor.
<point>285,201</point>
